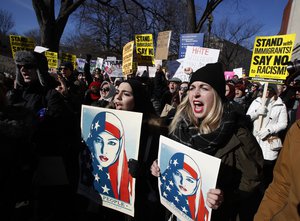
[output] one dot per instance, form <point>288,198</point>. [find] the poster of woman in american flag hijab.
<point>111,140</point>
<point>186,177</point>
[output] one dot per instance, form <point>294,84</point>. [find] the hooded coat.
<point>55,133</point>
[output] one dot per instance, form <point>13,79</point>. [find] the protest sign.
<point>269,58</point>
<point>144,44</point>
<point>144,49</point>
<point>20,43</point>
<point>113,68</point>
<point>180,73</point>
<point>162,46</point>
<point>127,58</point>
<point>193,39</point>
<point>151,70</point>
<point>111,140</point>
<point>186,177</point>
<point>66,57</point>
<point>52,58</point>
<point>99,63</point>
<point>238,72</point>
<point>228,75</point>
<point>197,57</point>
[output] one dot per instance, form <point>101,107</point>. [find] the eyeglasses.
<point>106,89</point>
<point>26,66</point>
<point>183,88</point>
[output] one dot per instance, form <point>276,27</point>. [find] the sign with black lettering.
<point>270,55</point>
<point>20,43</point>
<point>144,49</point>
<point>66,57</point>
<point>52,58</point>
<point>128,58</point>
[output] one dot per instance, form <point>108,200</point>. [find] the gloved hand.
<point>263,133</point>
<point>134,167</point>
<point>262,110</point>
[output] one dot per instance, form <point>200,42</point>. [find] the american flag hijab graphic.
<point>106,142</point>
<point>181,186</point>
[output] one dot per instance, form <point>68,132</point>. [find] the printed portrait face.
<point>106,138</point>
<point>107,148</point>
<point>185,183</point>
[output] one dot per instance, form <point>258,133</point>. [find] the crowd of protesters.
<point>41,138</point>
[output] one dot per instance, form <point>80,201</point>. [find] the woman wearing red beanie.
<point>93,93</point>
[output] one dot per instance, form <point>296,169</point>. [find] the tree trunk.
<point>52,28</point>
<point>191,16</point>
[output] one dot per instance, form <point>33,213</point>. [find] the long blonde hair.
<point>210,123</point>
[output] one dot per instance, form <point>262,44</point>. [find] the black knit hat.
<point>212,74</point>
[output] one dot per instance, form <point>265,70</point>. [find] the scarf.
<point>188,134</point>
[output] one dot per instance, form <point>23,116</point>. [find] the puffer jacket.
<point>275,120</point>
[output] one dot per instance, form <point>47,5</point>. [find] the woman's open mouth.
<point>198,106</point>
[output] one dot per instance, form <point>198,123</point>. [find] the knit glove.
<point>263,133</point>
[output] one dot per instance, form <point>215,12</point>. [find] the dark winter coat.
<point>240,172</point>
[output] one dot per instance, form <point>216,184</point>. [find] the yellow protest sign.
<point>144,49</point>
<point>127,58</point>
<point>20,43</point>
<point>144,44</point>
<point>270,55</point>
<point>65,57</point>
<point>52,58</point>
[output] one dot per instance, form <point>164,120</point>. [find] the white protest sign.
<point>180,72</point>
<point>238,72</point>
<point>197,57</point>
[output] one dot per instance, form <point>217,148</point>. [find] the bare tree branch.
<point>210,6</point>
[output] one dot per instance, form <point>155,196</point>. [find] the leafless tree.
<point>52,27</point>
<point>34,34</point>
<point>237,37</point>
<point>6,22</point>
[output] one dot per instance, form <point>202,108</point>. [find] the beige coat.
<point>282,198</point>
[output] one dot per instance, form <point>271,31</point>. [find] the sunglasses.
<point>26,66</point>
<point>106,89</point>
<point>184,88</point>
<point>64,68</point>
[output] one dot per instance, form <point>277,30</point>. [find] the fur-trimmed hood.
<point>37,60</point>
